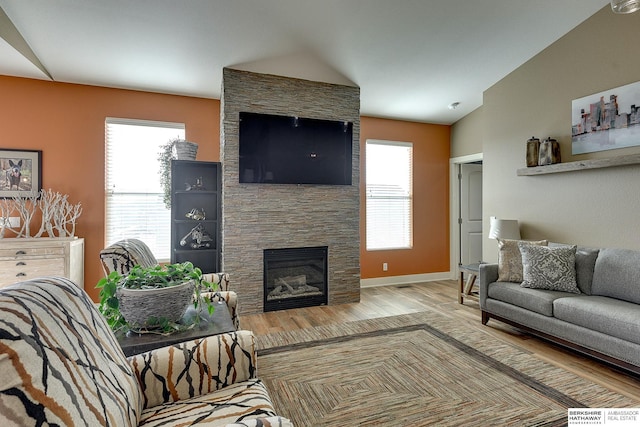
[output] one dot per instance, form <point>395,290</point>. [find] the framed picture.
<point>607,120</point>
<point>20,173</point>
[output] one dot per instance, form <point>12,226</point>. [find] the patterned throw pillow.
<point>510,259</point>
<point>549,268</point>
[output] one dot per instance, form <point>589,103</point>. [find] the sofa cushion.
<point>537,300</point>
<point>548,268</point>
<point>613,317</point>
<point>617,275</point>
<point>60,364</point>
<point>510,259</point>
<point>231,404</point>
<point>585,264</point>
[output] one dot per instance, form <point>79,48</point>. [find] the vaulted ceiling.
<point>410,58</point>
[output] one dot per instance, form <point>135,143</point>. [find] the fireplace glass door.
<point>295,277</point>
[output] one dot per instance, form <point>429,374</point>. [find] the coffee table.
<point>218,323</point>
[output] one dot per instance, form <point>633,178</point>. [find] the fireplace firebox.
<point>295,277</point>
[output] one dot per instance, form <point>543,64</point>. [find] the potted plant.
<point>155,297</point>
<point>175,149</point>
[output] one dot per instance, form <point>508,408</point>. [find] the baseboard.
<point>401,280</point>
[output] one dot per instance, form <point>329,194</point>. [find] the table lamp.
<point>504,229</point>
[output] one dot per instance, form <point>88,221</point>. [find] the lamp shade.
<point>625,6</point>
<point>504,229</point>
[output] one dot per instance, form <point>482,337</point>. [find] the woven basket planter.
<point>140,307</point>
<point>186,150</point>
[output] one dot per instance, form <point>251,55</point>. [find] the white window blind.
<point>134,205</point>
<point>389,178</point>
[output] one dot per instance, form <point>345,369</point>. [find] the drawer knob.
<point>21,263</point>
<point>21,253</point>
<point>20,275</point>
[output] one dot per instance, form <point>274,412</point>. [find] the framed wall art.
<point>20,172</point>
<point>607,120</point>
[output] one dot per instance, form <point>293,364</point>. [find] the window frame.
<point>408,197</point>
<point>142,195</point>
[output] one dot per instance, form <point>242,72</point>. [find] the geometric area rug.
<point>419,369</point>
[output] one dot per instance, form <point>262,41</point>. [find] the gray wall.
<point>467,134</point>
<point>258,217</point>
<point>593,208</point>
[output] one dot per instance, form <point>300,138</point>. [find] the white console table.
<point>28,258</point>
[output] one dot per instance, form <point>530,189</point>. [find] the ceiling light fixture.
<point>625,6</point>
<point>454,105</point>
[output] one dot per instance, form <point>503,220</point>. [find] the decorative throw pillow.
<point>549,268</point>
<point>510,259</point>
<point>585,265</point>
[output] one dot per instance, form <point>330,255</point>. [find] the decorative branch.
<point>75,212</point>
<point>59,217</point>
<point>48,204</point>
<point>65,216</point>
<point>26,207</point>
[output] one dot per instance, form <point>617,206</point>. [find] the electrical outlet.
<point>12,221</point>
<point>385,266</point>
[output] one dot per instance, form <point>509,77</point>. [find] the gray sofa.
<point>602,321</point>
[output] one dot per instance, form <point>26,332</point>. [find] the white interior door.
<point>470,213</point>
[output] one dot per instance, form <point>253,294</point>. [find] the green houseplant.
<point>154,297</point>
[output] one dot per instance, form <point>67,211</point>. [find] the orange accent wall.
<point>430,252</point>
<point>66,122</point>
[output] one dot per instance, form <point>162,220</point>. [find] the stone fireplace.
<point>294,278</point>
<point>259,217</point>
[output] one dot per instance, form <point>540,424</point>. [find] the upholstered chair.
<point>124,254</point>
<point>223,293</point>
<point>60,364</point>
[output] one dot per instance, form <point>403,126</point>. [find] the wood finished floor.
<point>441,297</point>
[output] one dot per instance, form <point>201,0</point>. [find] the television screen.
<point>294,150</point>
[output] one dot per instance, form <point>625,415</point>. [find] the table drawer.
<point>28,258</point>
<point>29,252</point>
<point>26,269</point>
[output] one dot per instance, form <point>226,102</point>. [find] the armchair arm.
<point>488,274</point>
<point>230,298</point>
<point>219,279</point>
<point>193,368</point>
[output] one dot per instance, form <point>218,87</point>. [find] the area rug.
<point>418,369</point>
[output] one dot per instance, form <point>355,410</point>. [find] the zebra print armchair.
<point>124,254</point>
<point>60,364</point>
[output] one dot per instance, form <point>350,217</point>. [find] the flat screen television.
<point>294,150</point>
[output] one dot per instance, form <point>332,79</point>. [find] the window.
<point>389,178</point>
<point>134,206</point>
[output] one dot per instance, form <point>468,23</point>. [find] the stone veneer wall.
<point>263,216</point>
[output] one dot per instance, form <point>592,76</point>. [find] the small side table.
<point>465,287</point>
<point>218,323</point>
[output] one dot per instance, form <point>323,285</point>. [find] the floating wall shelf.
<point>633,159</point>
